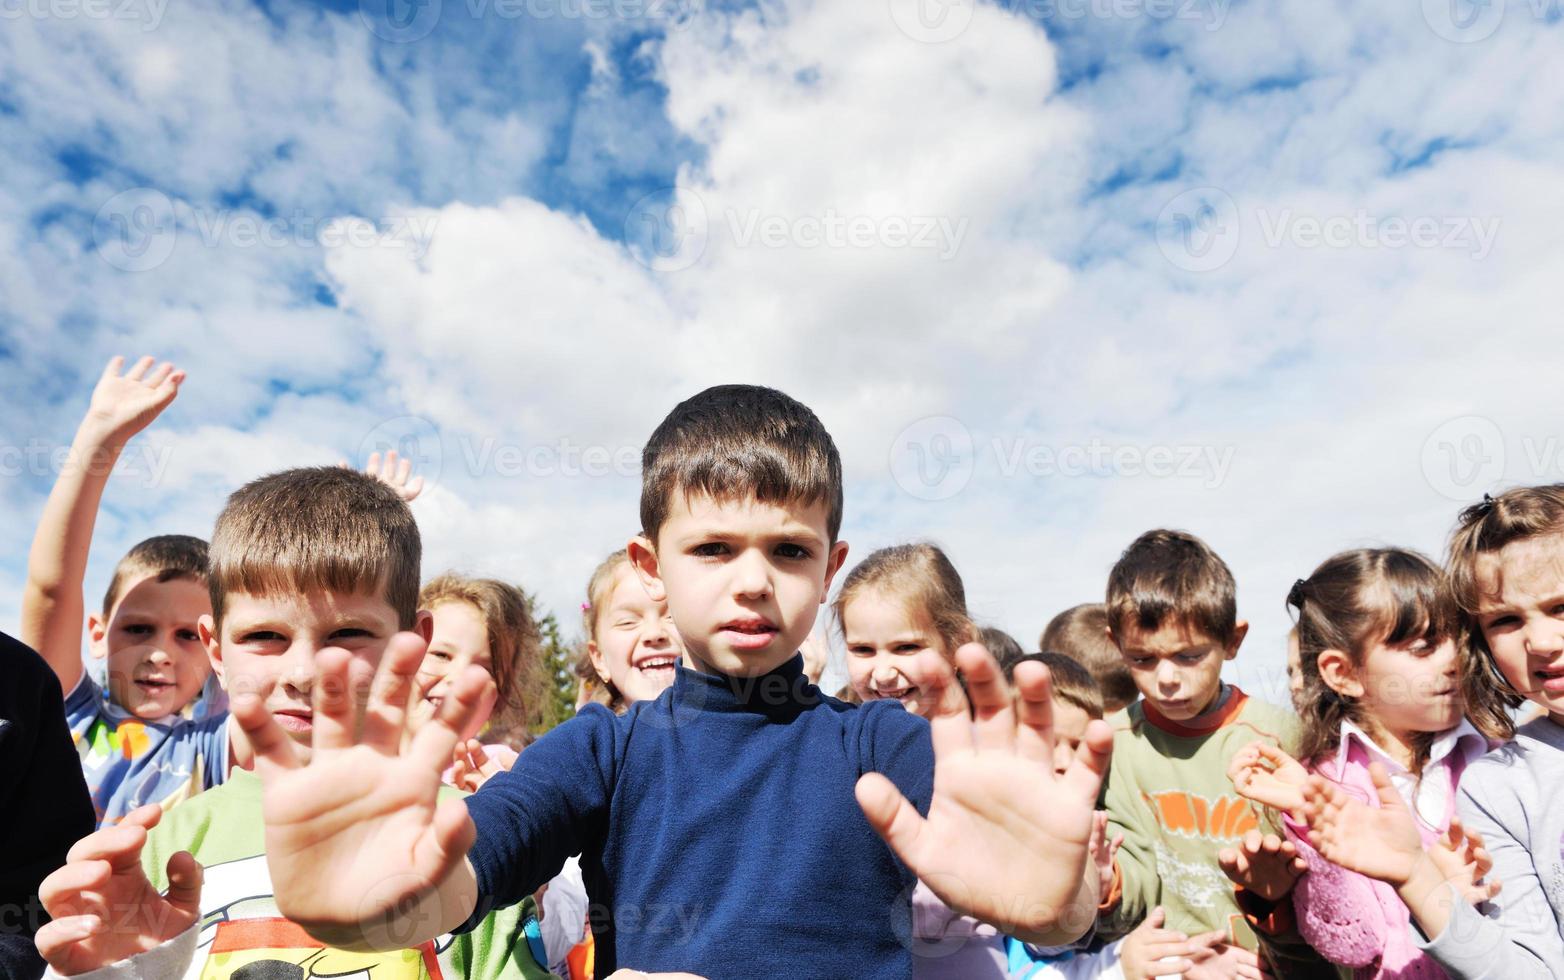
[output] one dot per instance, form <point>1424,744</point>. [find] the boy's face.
<point>156,663</point>
<point>1521,614</point>
<point>1177,669</point>
<point>268,645</point>
<point>1070,721</point>
<point>743,580</point>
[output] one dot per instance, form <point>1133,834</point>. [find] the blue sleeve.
<point>547,808</point>
<point>896,743</point>
<point>82,703</point>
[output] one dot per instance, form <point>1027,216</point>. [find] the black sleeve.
<point>44,806</point>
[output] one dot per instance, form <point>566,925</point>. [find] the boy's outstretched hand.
<point>1006,839</point>
<point>362,853</point>
<point>104,909</point>
<point>124,404</point>
<point>1264,774</point>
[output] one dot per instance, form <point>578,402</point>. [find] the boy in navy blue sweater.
<point>736,826</point>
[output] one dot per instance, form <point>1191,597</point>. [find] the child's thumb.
<point>184,883</point>
<point>1157,918</point>
<point>1388,794</point>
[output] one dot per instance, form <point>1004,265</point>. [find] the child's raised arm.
<point>1006,839</point>
<point>363,855</point>
<point>52,603</point>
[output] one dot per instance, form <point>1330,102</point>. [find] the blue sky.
<point>1053,271</point>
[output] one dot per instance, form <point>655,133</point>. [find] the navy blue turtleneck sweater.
<point>717,829</point>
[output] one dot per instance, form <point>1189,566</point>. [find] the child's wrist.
<point>96,437</point>
<point>1424,878</point>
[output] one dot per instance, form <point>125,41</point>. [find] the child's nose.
<point>751,576</point>
<point>885,673</point>
<point>1543,640</point>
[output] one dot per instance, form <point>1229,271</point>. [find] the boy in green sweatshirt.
<point>308,564</point>
<point>1172,612</point>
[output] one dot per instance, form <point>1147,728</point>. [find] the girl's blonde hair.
<point>1354,600</point>
<point>515,646</point>
<point>921,576</point>
<point>1481,532</point>
<point>600,587</point>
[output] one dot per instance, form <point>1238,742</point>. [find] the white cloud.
<point>528,337</point>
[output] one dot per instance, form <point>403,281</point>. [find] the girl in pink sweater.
<point>1384,681</point>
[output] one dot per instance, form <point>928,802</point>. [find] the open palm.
<point>1381,842</point>
<point>1005,839</point>
<point>124,404</point>
<point>357,836</point>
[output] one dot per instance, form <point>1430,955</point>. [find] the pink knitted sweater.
<point>1353,920</point>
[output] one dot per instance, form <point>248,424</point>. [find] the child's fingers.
<point>435,742</point>
<point>184,883</point>
<point>950,724</point>
<point>385,717</point>
<point>1084,776</point>
<point>403,471</point>
<point>110,844</point>
<point>446,843</point>
<point>1034,713</point>
<point>115,366</point>
<point>1157,918</point>
<point>273,748</point>
<point>68,890</point>
<point>57,939</point>
<point>157,377</point>
<point>993,724</point>
<point>333,725</point>
<point>140,368</point>
<point>889,813</point>
<point>1207,940</point>
<point>1389,796</point>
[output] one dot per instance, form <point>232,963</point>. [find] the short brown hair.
<point>740,441</point>
<point>1172,577</point>
<point>1001,645</point>
<point>515,647</point>
<point>1072,683</point>
<point>1081,633</point>
<point>921,576</point>
<point>165,557</point>
<point>317,528</point>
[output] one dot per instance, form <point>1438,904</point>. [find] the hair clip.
<point>1478,511</point>
<point>1295,594</point>
<point>586,607</point>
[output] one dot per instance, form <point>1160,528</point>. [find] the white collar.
<point>1444,745</point>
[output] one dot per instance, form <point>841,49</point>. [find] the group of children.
<point>305,762</point>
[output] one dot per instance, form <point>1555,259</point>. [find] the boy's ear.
<point>423,624</point>
<point>206,629</point>
<point>643,558</point>
<point>833,565</point>
<point>1339,675</point>
<point>97,636</point>
<point>1240,630</point>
